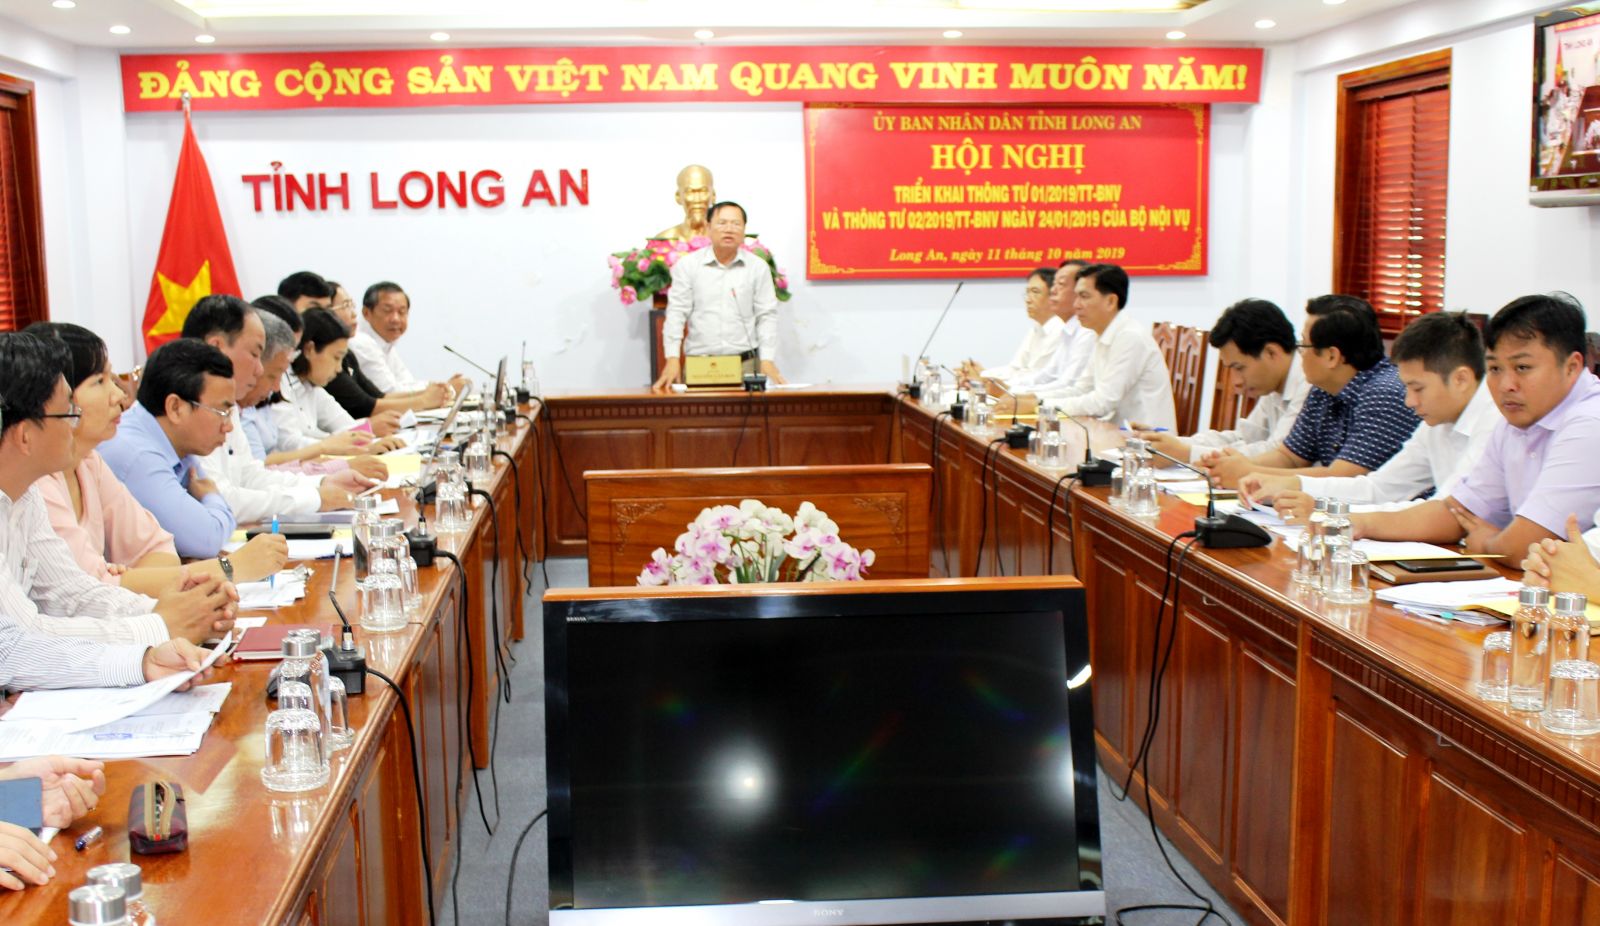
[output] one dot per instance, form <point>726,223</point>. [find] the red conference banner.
<point>629,74</point>
<point>911,192</point>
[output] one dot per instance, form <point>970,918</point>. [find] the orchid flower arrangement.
<point>756,543</point>
<point>642,272</point>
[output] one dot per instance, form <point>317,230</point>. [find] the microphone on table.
<point>915,389</point>
<point>958,409</point>
<point>1017,434</point>
<point>1231,532</point>
<point>1092,473</point>
<point>474,364</point>
<point>346,660</point>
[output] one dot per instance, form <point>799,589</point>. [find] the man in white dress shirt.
<point>42,588</point>
<point>1441,363</point>
<point>1075,347</point>
<point>385,316</point>
<point>722,301</point>
<point>1256,341</point>
<point>1040,342</point>
<point>1127,378</point>
<point>254,492</point>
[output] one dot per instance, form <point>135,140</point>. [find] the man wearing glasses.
<point>1355,417</point>
<point>724,297</point>
<point>42,587</point>
<point>181,414</point>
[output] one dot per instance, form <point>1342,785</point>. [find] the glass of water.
<point>1496,672</point>
<point>1572,705</point>
<point>294,759</point>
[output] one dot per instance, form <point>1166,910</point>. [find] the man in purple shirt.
<point>1539,464</point>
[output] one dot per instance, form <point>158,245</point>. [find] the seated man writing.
<point>1440,359</point>
<point>1355,417</point>
<point>1538,466</point>
<point>1255,340</point>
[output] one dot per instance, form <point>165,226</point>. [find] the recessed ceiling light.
<point>1265,23</point>
<point>120,30</point>
<point>952,33</point>
<point>440,36</point>
<point>204,39</point>
<point>704,35</point>
<point>63,4</point>
<point>1177,34</point>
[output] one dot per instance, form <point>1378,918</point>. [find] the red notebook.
<point>266,642</point>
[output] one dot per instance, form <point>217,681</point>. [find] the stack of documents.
<point>1482,601</point>
<point>51,723</point>
<point>404,466</point>
<point>288,587</point>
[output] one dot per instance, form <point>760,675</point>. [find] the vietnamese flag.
<point>193,261</point>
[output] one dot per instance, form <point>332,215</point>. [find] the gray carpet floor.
<point>1134,871</point>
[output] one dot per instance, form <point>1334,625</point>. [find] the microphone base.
<point>348,666</point>
<point>755,382</point>
<point>958,411</point>
<point>1230,533</point>
<point>1017,436</point>
<point>523,395</point>
<point>1095,473</point>
<point>914,390</point>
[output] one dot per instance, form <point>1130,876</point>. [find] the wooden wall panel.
<point>1574,893</point>
<point>1473,859</point>
<point>811,444</point>
<point>1366,856</point>
<point>1262,785</point>
<point>342,890</point>
<point>1205,682</point>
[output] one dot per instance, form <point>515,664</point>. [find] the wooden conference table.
<point>346,852</point>
<point>1316,764</point>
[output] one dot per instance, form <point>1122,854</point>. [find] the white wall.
<point>483,280</point>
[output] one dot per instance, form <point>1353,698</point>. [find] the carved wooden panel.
<point>1263,784</point>
<point>1188,368</point>
<point>1366,851</point>
<point>1203,685</point>
<point>882,508</point>
<point>583,450</point>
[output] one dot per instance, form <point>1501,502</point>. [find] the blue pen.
<point>1150,430</point>
<point>272,580</point>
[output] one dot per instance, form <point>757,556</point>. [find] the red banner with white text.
<point>919,192</point>
<point>676,74</point>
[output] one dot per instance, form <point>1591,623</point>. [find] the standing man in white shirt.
<point>1256,341</point>
<point>385,316</point>
<point>254,492</point>
<point>721,302</point>
<point>1127,378</point>
<point>1441,362</point>
<point>1075,348</point>
<point>42,587</point>
<point>1040,342</point>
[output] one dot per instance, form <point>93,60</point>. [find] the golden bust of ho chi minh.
<point>695,194</point>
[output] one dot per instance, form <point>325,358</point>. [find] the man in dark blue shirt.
<point>1355,418</point>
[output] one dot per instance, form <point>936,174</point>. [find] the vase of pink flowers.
<point>753,542</point>
<point>640,273</point>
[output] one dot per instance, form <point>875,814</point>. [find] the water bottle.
<point>361,529</point>
<point>130,879</point>
<point>1569,628</point>
<point>1530,650</point>
<point>97,905</point>
<point>1337,535</point>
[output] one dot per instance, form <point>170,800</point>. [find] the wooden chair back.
<point>1166,335</point>
<point>1228,401</point>
<point>882,507</point>
<point>1188,368</point>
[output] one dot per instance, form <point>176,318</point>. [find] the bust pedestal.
<point>658,354</point>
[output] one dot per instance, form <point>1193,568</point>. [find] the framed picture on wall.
<point>1565,163</point>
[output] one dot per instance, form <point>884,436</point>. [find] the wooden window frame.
<point>1409,75</point>
<point>26,133</point>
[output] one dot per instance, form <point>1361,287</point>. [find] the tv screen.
<point>1566,107</point>
<point>864,758</point>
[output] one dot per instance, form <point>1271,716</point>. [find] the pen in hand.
<point>272,580</point>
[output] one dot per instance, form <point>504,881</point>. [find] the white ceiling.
<point>173,24</point>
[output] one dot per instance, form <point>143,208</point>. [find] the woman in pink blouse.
<point>111,535</point>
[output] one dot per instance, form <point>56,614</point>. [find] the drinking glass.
<point>1572,706</point>
<point>340,733</point>
<point>982,411</point>
<point>475,459</point>
<point>1496,673</point>
<point>294,759</point>
<point>1308,561</point>
<point>383,606</point>
<point>1053,455</point>
<point>1034,443</point>
<point>1349,580</point>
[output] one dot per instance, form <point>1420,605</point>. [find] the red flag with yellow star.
<point>194,260</point>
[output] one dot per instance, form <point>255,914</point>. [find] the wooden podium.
<point>658,353</point>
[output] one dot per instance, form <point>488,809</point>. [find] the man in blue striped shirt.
<point>1355,418</point>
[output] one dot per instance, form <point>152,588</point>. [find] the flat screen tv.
<point>1565,168</point>
<point>920,752</point>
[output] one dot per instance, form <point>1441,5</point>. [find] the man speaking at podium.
<point>724,297</point>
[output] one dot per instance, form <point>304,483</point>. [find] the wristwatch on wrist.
<point>227,566</point>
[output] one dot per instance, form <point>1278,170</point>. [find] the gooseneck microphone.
<point>1017,434</point>
<point>475,365</point>
<point>1092,473</point>
<point>346,660</point>
<point>1229,533</point>
<point>915,389</point>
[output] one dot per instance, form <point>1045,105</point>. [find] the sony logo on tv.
<point>827,911</point>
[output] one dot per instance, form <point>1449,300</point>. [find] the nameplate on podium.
<point>713,370</point>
